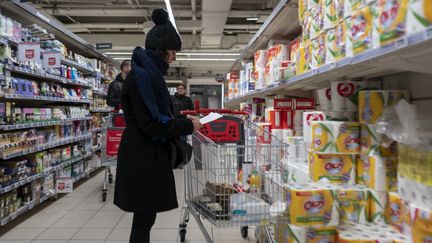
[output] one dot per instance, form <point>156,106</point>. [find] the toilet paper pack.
<point>312,204</point>
<point>343,96</point>
<point>318,51</point>
<point>324,98</point>
<point>317,15</point>
<point>335,42</point>
<point>353,203</point>
<point>359,171</point>
<point>304,58</point>
<point>391,16</point>
<point>380,173</point>
<point>376,144</point>
<point>421,219</point>
<point>288,233</point>
<point>338,169</point>
<point>419,15</point>
<point>361,29</point>
<point>415,163</point>
<point>260,59</point>
<point>377,205</point>
<point>372,103</point>
<point>397,214</point>
<point>369,232</point>
<point>330,13</point>
<point>331,137</point>
<point>414,192</point>
<point>308,117</point>
<point>296,149</point>
<point>298,173</point>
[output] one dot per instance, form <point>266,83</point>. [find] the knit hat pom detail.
<point>160,16</point>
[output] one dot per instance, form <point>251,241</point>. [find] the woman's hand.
<point>196,122</point>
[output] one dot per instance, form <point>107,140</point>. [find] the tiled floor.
<point>81,217</point>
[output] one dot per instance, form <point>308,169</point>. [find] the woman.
<point>145,181</point>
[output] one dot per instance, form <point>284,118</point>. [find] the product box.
<point>304,58</point>
<point>307,29</point>
<point>294,48</point>
<point>260,59</point>
<point>419,15</point>
<point>376,144</point>
<point>380,173</point>
<point>318,51</point>
<point>338,169</point>
<point>311,204</point>
<point>317,21</point>
<point>294,103</point>
<point>373,103</point>
<point>397,214</point>
<point>281,119</point>
<point>391,20</point>
<point>377,205</point>
<point>298,172</point>
<point>353,203</point>
<point>324,98</point>
<point>331,137</point>
<point>414,192</point>
<point>278,53</point>
<point>308,117</point>
<point>421,221</point>
<point>263,133</point>
<point>330,13</point>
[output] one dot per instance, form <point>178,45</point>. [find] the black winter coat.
<point>181,103</point>
<point>115,92</point>
<point>145,179</point>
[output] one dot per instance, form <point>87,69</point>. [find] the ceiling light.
<point>252,18</point>
<point>206,59</point>
<point>118,53</point>
<point>170,13</point>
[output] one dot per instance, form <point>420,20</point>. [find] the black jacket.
<point>181,103</point>
<point>144,179</point>
<point>115,91</point>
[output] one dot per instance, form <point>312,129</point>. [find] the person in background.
<point>115,87</point>
<point>181,101</point>
<point>145,182</point>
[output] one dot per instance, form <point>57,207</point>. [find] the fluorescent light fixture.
<point>206,59</point>
<point>252,18</point>
<point>118,53</point>
<point>121,58</point>
<point>170,13</point>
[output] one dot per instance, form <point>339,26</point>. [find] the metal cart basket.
<point>229,180</point>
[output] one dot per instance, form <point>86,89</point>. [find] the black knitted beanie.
<point>163,36</point>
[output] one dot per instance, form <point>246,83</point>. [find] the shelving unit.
<point>101,110</point>
<point>41,124</point>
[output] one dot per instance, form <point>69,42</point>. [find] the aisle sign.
<point>51,59</point>
<point>29,52</point>
<point>64,185</point>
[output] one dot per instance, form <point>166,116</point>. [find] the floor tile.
<point>15,241</point>
<point>92,234</point>
<point>36,222</point>
<point>50,241</point>
<point>101,223</point>
<point>70,223</point>
<point>23,234</point>
<point>119,235</point>
<point>58,234</point>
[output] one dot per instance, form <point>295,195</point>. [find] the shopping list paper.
<point>210,117</point>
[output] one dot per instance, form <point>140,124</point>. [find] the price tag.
<point>51,59</point>
<point>29,52</point>
<point>64,185</point>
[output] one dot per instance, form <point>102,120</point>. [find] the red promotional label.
<point>346,89</point>
<point>113,141</point>
<point>328,93</point>
<point>30,54</point>
<point>314,117</point>
<point>51,61</point>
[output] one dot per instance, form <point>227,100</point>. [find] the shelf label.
<point>29,52</point>
<point>64,185</point>
<point>51,59</point>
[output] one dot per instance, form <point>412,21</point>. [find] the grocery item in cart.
<point>419,15</point>
<point>220,193</point>
<point>332,137</point>
<point>311,204</point>
<point>248,207</point>
<point>353,203</point>
<point>380,173</point>
<point>338,169</point>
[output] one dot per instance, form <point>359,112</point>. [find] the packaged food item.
<point>340,9</point>
<point>332,137</point>
<point>373,103</point>
<point>376,144</point>
<point>377,205</point>
<point>353,203</point>
<point>380,173</point>
<point>391,24</point>
<point>419,15</point>
<point>338,169</point>
<point>318,51</point>
<point>330,14</point>
<point>311,204</point>
<point>361,29</point>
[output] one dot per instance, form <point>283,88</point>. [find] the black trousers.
<point>141,226</point>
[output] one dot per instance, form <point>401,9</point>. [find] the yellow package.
<point>367,237</point>
<point>316,21</point>
<point>318,51</point>
<point>396,213</point>
<point>302,9</point>
<point>304,58</point>
<point>330,13</point>
<point>377,205</point>
<point>391,24</point>
<point>375,144</point>
<point>421,236</point>
<point>353,203</point>
<point>380,173</point>
<point>332,137</point>
<point>330,43</point>
<point>359,171</point>
<point>419,15</point>
<point>288,233</point>
<point>307,28</point>
<point>311,205</point>
<point>373,103</point>
<point>421,218</point>
<point>361,29</point>
<point>338,169</point>
<point>415,163</point>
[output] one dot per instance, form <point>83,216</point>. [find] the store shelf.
<point>46,172</point>
<point>409,53</point>
<point>281,24</point>
<point>102,110</point>
<point>41,124</point>
<point>45,76</point>
<point>42,98</point>
<point>72,63</point>
<point>99,92</point>
<point>98,129</point>
<point>42,147</point>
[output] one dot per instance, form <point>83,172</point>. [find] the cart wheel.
<point>244,231</point>
<point>104,196</point>
<point>182,235</point>
<point>110,179</point>
<point>187,218</point>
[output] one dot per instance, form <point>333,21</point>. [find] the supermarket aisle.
<point>81,217</point>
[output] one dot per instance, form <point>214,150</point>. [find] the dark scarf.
<point>148,69</point>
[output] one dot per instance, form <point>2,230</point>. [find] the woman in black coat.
<point>145,180</point>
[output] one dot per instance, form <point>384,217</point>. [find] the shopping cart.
<point>110,145</point>
<point>230,180</point>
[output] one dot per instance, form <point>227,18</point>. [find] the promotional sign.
<point>113,141</point>
<point>29,52</point>
<point>64,185</point>
<point>103,46</point>
<point>51,59</point>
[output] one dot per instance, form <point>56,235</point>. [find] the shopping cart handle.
<point>207,111</point>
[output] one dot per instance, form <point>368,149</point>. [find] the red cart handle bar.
<point>207,111</point>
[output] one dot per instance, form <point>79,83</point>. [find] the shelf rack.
<point>41,124</point>
<point>101,110</point>
<point>43,98</point>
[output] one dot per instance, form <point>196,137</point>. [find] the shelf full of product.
<point>47,129</point>
<point>358,133</point>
